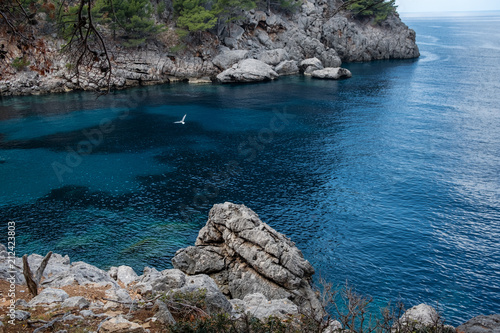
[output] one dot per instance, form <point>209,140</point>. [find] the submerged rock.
<point>246,256</point>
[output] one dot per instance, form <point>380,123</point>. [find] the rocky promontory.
<point>240,274</point>
<point>246,256</point>
<point>279,41</point>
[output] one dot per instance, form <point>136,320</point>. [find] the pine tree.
<point>131,17</point>
<point>231,10</point>
<point>378,9</point>
<point>193,15</point>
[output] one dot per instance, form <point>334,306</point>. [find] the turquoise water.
<point>389,180</point>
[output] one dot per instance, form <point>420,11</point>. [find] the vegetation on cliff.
<point>30,30</point>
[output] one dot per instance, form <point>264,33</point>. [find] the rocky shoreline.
<point>260,46</point>
<point>239,266</point>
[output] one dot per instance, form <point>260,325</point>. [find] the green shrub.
<point>20,63</point>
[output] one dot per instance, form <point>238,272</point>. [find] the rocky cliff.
<point>279,40</point>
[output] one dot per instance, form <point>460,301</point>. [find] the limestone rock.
<point>260,307</point>
<point>49,296</point>
<point>163,314</point>
<point>227,58</point>
<point>113,272</point>
<point>154,281</point>
<point>287,67</point>
<point>71,317</point>
<point>126,275</point>
<point>80,273</point>
<point>332,73</point>
<point>334,326</point>
<point>21,315</point>
<point>119,324</point>
<point>389,40</point>
<point>423,314</point>
<point>481,324</point>
<point>215,300</point>
<point>57,264</point>
<point>248,70</point>
<point>21,303</point>
<point>273,57</point>
<point>174,280</point>
<point>76,302</point>
<point>309,33</point>
<point>309,65</point>
<point>421,317</point>
<point>120,295</point>
<point>256,258</point>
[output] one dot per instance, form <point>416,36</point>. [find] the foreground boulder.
<point>481,324</point>
<point>246,256</point>
<point>422,317</point>
<point>248,70</point>
<point>79,273</point>
<point>332,73</point>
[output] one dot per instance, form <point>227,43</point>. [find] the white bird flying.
<point>181,121</point>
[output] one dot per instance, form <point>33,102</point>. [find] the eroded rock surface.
<point>245,256</point>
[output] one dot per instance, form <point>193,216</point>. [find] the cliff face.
<point>279,40</point>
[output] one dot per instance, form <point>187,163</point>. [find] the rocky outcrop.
<point>248,70</point>
<point>332,73</point>
<point>277,39</point>
<point>362,41</point>
<point>246,256</point>
<point>481,324</point>
<point>422,317</point>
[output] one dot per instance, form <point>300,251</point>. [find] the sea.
<point>389,181</point>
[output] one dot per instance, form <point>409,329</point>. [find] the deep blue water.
<point>389,180</point>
